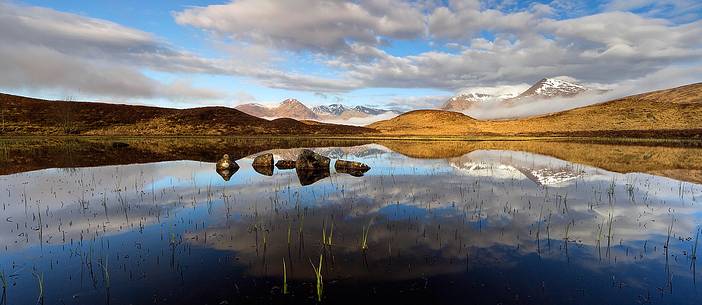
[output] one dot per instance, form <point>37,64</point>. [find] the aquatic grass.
<point>106,273</point>
<point>40,287</point>
<point>693,255</point>
<point>285,278</point>
<point>318,276</point>
<point>670,232</point>
<point>364,235</point>
<point>3,280</point>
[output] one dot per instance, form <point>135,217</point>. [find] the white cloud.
<point>327,26</point>
<point>348,40</point>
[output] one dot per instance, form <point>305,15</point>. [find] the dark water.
<point>488,226</point>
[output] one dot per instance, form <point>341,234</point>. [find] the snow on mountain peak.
<point>553,87</point>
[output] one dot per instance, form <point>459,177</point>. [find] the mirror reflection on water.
<point>532,222</point>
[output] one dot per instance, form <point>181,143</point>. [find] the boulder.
<point>352,172</point>
<point>226,167</point>
<point>263,164</point>
<point>309,160</point>
<point>227,173</point>
<point>226,163</point>
<point>263,160</point>
<point>285,164</point>
<point>351,165</point>
<point>308,176</point>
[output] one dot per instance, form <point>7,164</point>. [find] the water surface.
<point>443,222</point>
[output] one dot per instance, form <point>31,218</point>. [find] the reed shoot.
<point>3,280</point>
<point>285,279</point>
<point>318,275</point>
<point>40,287</point>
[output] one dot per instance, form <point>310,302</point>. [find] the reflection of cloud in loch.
<point>441,208</point>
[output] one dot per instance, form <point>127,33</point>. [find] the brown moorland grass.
<point>30,116</point>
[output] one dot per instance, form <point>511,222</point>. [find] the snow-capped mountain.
<point>292,108</point>
<point>467,100</point>
<point>374,111</point>
<point>289,108</point>
<point>552,87</point>
<point>339,111</point>
<point>333,109</point>
<point>470,98</point>
<point>544,89</point>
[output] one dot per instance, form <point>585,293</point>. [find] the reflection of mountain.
<point>542,170</point>
<point>429,221</point>
<point>359,151</point>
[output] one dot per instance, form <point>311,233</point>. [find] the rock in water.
<point>226,167</point>
<point>263,164</point>
<point>309,176</point>
<point>227,173</point>
<point>353,168</point>
<point>119,145</point>
<point>226,163</point>
<point>263,160</point>
<point>285,164</point>
<point>351,165</point>
<point>309,160</point>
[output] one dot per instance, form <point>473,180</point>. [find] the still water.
<point>429,223</point>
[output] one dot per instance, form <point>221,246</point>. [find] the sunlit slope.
<point>671,112</point>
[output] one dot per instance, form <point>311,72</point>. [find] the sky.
<point>387,53</point>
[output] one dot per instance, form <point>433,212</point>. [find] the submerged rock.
<point>227,173</point>
<point>263,164</point>
<point>353,168</point>
<point>309,176</point>
<point>352,172</point>
<point>309,160</point>
<point>351,165</point>
<point>285,164</point>
<point>119,145</point>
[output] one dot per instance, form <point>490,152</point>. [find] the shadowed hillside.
<point>665,113</point>
<point>29,116</point>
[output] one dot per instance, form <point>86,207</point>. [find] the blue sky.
<point>392,53</point>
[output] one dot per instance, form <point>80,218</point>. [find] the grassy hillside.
<point>29,116</point>
<point>671,112</point>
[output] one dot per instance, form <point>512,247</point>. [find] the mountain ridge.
<point>31,116</point>
<point>668,112</point>
<point>546,88</point>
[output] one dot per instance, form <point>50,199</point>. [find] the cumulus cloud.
<point>63,52</point>
<point>492,43</point>
<point>59,51</point>
<point>328,26</point>
<point>608,47</point>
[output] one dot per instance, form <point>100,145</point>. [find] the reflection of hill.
<point>683,163</point>
<point>24,155</point>
<point>677,162</point>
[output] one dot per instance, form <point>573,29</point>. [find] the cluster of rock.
<point>309,166</point>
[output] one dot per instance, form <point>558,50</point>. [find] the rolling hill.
<point>30,116</point>
<point>671,112</point>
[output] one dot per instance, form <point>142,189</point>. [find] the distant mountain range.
<point>665,113</point>
<point>292,108</point>
<point>547,88</point>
